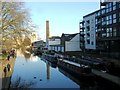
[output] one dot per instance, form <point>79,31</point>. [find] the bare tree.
<point>15,22</point>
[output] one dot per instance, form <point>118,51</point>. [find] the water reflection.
<point>41,72</point>
<point>48,71</point>
<point>53,65</point>
<point>19,83</point>
<point>26,53</point>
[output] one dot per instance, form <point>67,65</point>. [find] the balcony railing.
<point>82,22</point>
<point>104,2</point>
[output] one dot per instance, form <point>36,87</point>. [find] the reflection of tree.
<point>19,83</point>
<point>24,52</point>
<point>27,55</point>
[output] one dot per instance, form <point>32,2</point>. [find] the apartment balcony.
<point>82,28</point>
<point>82,35</point>
<point>104,2</point>
<point>82,41</point>
<point>82,22</point>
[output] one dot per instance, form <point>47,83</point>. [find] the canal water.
<point>33,72</point>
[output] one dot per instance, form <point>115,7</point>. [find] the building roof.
<point>68,37</point>
<point>54,37</point>
<point>93,13</point>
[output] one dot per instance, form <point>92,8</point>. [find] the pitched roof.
<point>68,37</point>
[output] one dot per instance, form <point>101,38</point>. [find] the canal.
<point>33,72</point>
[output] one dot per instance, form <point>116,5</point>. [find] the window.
<point>92,43</point>
<point>114,7</point>
<point>88,41</point>
<point>96,21</point>
<point>109,32</point>
<point>114,18</point>
<point>103,20</point>
<point>109,7</point>
<point>114,3</point>
<point>114,15</point>
<point>114,31</point>
<point>88,22</point>
<point>103,11</point>
<point>103,34</point>
<point>110,4</point>
<point>106,5</point>
<point>88,28</point>
<point>108,20</point>
<point>106,9</point>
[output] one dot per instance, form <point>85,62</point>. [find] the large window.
<point>103,11</point>
<point>98,13</point>
<point>109,32</point>
<point>114,18</point>
<point>109,19</point>
<point>109,7</point>
<point>103,20</point>
<point>114,5</point>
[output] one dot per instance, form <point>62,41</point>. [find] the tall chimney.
<point>47,34</point>
<point>47,30</point>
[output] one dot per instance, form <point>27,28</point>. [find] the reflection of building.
<point>48,71</point>
<point>73,78</point>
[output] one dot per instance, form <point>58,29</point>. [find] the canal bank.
<point>7,78</point>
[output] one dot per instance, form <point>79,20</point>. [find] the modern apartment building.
<point>88,32</point>
<point>106,24</point>
<point>108,27</point>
